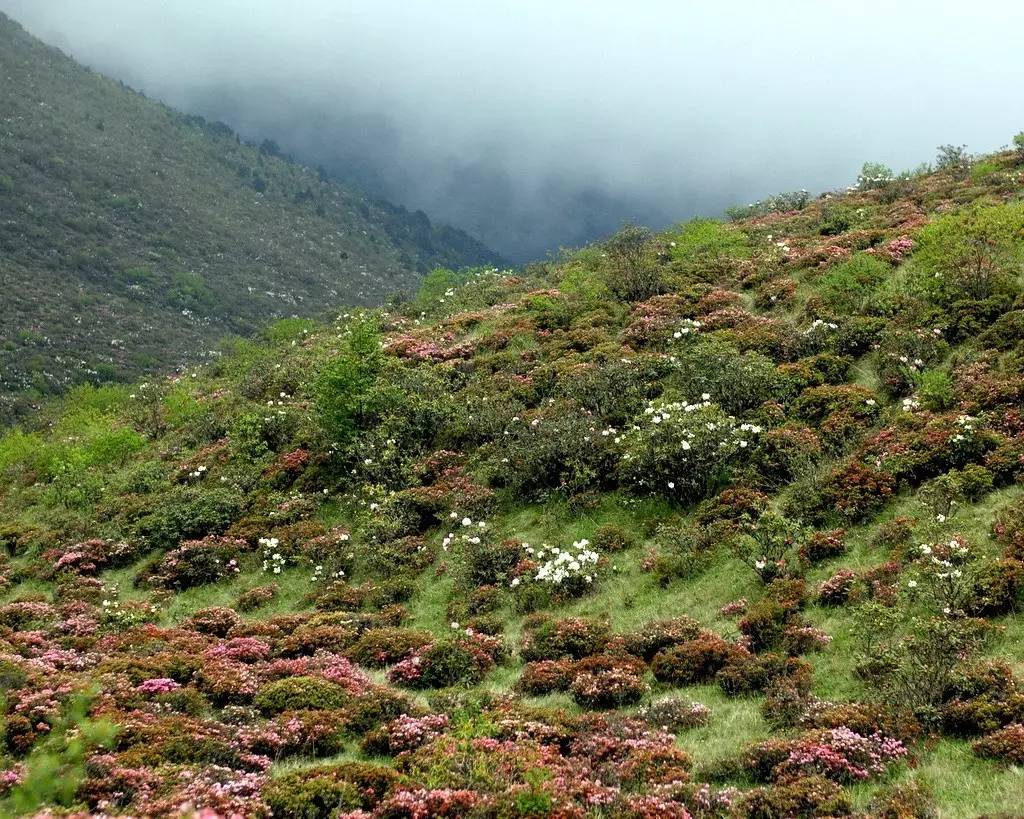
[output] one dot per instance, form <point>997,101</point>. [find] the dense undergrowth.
<point>725,521</point>
<point>133,237</point>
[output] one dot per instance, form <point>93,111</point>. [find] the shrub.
<point>215,620</point>
<point>460,661</point>
<point>301,693</point>
<point>675,714</point>
<point>656,635</point>
<point>1005,745</point>
<point>631,273</point>
<point>257,596</point>
<point>838,589</point>
<point>737,382</point>
<point>546,676</point>
<point>855,491</point>
<point>378,647</point>
<point>189,512</point>
<point>807,797</point>
<point>341,389</point>
<point>822,546</point>
<point>196,563</point>
<point>608,682</point>
<point>904,800</point>
<point>548,638</point>
<point>971,251</point>
<point>848,287</point>
<point>684,451</point>
<point>610,537</point>
<point>695,661</point>
<point>321,792</point>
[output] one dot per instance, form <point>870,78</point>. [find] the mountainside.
<point>133,237</point>
<point>722,522</point>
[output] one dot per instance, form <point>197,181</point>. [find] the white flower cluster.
<point>273,560</point>
<point>578,562</point>
<point>688,327</point>
<point>910,404</point>
<point>820,325</point>
<point>966,424</point>
<point>198,472</point>
<point>468,534</point>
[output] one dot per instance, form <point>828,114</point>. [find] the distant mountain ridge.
<point>133,237</point>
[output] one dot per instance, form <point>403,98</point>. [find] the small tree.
<point>874,175</point>
<point>955,159</point>
<point>632,275</point>
<point>1018,143</point>
<point>341,387</point>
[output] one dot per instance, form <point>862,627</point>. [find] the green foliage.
<point>342,385</point>
<point>1018,144</point>
<point>849,286</point>
<point>935,389</point>
<point>708,246</point>
<point>295,693</point>
<point>631,273</point>
<point>874,175</point>
<point>56,765</point>
<point>978,250</point>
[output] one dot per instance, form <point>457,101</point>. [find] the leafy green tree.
<point>341,388</point>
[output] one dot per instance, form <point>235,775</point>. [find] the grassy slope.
<point>118,214</point>
<point>544,333</point>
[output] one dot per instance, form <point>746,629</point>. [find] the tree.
<point>342,386</point>
<point>631,275</point>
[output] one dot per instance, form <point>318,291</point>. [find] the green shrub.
<point>325,791</point>
<point>301,693</point>
<point>935,390</point>
<point>849,286</point>
<point>977,251</point>
<point>631,273</point>
<point>708,247</point>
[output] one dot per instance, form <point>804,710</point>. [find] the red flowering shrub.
<point>405,733</point>
<point>856,491</point>
<point>426,804</point>
<point>822,546</point>
<point>196,563</point>
<point>216,620</point>
<point>675,714</point>
<point>378,647</point>
<point>656,635</point>
<point>546,676</point>
<point>548,638</point>
<point>1005,745</point>
<point>838,589</point>
<point>463,660</point>
<point>608,682</point>
<point>694,661</point>
<point>257,596</point>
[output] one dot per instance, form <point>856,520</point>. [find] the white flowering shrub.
<point>563,572</point>
<point>684,450</point>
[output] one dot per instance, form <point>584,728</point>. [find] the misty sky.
<point>540,123</point>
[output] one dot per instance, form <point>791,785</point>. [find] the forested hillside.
<point>133,237</point>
